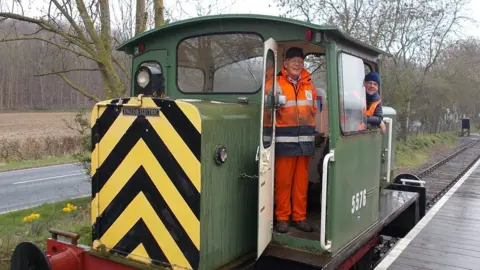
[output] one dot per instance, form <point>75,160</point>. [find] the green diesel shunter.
<point>183,169</point>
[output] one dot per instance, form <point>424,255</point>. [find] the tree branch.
<point>84,44</point>
<point>159,17</point>
<point>105,24</point>
<point>49,42</point>
<point>72,22</point>
<point>65,71</point>
<point>78,89</point>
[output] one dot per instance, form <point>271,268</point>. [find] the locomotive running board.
<point>401,225</point>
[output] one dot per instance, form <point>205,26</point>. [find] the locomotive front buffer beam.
<point>67,255</point>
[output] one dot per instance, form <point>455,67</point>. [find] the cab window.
<point>269,103</point>
<point>220,63</point>
<point>352,94</point>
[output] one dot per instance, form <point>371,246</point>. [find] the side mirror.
<point>280,100</point>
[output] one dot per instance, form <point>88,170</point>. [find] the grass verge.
<point>417,150</point>
<point>26,164</point>
<point>15,230</point>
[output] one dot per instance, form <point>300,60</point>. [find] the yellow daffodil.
<point>69,208</point>
<point>31,217</point>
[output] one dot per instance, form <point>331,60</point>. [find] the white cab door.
<point>266,150</point>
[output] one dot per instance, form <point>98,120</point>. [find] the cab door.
<point>266,149</point>
<point>352,168</point>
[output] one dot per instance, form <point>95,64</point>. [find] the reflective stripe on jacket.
<point>295,121</point>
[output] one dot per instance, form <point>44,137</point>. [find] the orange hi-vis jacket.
<point>369,112</point>
<point>372,108</point>
<point>295,121</point>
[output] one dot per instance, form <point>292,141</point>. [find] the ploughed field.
<point>39,135</point>
<point>15,126</point>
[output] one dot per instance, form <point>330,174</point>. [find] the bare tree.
<point>141,17</point>
<point>159,16</point>
<point>197,8</point>
<point>83,28</point>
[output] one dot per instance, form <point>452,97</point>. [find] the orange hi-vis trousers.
<point>291,185</point>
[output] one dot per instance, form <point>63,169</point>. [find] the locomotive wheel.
<point>406,176</point>
<point>28,256</point>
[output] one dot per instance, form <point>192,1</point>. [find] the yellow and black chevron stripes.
<point>146,182</point>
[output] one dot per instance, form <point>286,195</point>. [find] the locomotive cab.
<point>183,169</point>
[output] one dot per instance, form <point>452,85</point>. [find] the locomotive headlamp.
<point>143,78</point>
<point>149,80</point>
<point>220,154</point>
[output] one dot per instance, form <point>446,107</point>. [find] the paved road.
<point>31,187</point>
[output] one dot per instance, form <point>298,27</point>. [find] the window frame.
<point>212,34</point>
<point>339,83</point>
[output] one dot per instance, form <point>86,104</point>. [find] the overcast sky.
<point>238,6</point>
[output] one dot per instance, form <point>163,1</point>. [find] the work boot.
<point>303,226</point>
<point>282,226</point>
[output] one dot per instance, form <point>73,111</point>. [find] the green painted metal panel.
<point>228,223</point>
<point>354,180</point>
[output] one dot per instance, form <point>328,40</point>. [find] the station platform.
<point>448,236</point>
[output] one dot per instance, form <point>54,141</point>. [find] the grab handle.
<point>325,244</point>
<point>73,236</point>
<point>389,152</point>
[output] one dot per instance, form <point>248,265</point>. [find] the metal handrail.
<point>325,245</point>
<point>389,152</point>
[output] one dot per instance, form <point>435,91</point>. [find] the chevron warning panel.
<point>146,180</point>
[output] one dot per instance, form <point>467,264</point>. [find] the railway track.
<point>444,174</point>
<point>439,178</point>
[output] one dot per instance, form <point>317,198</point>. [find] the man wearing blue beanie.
<point>374,112</point>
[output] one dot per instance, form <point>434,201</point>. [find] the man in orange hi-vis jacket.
<point>295,136</point>
<point>374,113</point>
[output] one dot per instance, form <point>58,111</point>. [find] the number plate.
<point>359,200</point>
<point>141,111</point>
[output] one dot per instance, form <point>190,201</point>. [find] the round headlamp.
<point>143,78</point>
<point>220,154</point>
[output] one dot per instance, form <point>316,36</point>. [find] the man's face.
<point>294,66</point>
<point>371,87</point>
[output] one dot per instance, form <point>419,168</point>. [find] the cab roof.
<point>127,46</point>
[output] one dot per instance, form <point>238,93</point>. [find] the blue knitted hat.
<point>373,76</point>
